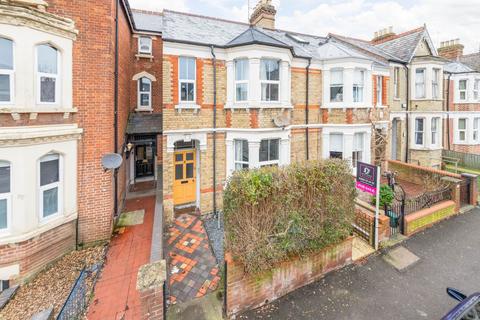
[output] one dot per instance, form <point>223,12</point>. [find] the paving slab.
<point>208,307</point>
<point>401,258</point>
<point>131,218</point>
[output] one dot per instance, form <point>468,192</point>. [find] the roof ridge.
<point>346,37</point>
<point>400,35</point>
<point>206,17</point>
<point>345,40</point>
<point>157,13</point>
<point>470,54</point>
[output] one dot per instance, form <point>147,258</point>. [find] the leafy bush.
<point>386,196</point>
<point>272,214</point>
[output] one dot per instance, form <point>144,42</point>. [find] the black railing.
<point>426,200</point>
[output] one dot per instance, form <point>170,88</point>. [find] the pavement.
<point>449,256</point>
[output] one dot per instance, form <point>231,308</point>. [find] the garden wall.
<point>246,291</point>
<point>417,174</point>
<point>427,217</point>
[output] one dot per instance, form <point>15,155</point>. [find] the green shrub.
<point>386,196</point>
<point>272,214</point>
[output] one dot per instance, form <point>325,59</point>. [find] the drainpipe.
<point>407,152</point>
<point>115,112</point>
<point>306,105</point>
<point>214,129</point>
<point>448,111</point>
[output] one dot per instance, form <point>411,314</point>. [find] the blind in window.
<point>358,142</point>
<point>336,77</point>
<point>336,142</point>
<point>359,77</point>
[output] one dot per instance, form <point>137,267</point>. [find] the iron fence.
<point>424,200</point>
<point>77,300</point>
<point>364,227</point>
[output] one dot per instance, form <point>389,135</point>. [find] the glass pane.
<point>47,89</point>
<point>47,59</point>
<point>178,171</point>
<point>50,202</point>
<point>241,69</point>
<point>263,150</point>
<point>242,90</point>
<point>462,123</point>
<point>145,84</point>
<point>3,214</point>
<point>462,135</point>
<point>419,124</point>
<point>463,84</point>
<point>336,155</point>
<point>419,137</point>
<point>269,92</point>
<point>189,171</point>
<point>4,178</point>
<point>274,144</point>
<point>145,44</point>
<point>49,172</point>
<point>245,151</point>
<point>191,92</point>
<point>187,91</point>
<point>144,100</point>
<point>6,54</point>
<point>269,70</point>
<point>4,87</point>
<point>190,156</point>
<point>179,157</point>
<point>191,69</point>
<point>336,94</point>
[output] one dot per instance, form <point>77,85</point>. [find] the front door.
<point>144,161</point>
<point>184,186</point>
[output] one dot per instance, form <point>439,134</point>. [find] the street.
<point>449,257</point>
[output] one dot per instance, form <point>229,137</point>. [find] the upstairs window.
<point>47,74</point>
<point>336,85</point>
<point>396,83</point>
<point>6,71</point>
<point>358,84</point>
<point>241,154</point>
<point>462,89</point>
<point>435,84</point>
<point>144,93</point>
<point>145,45</point>
<point>187,79</point>
<point>420,83</point>
<point>358,148</point>
<point>336,145</point>
<point>241,80</point>
<point>270,79</point>
<point>379,91</point>
<point>50,186</point>
<point>434,128</point>
<point>476,89</point>
<point>5,186</point>
<point>476,130</point>
<point>462,129</point>
<point>269,152</point>
<point>419,131</point>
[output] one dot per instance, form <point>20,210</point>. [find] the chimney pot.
<point>264,15</point>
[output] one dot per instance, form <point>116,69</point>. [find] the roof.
<point>147,20</point>
<point>456,67</point>
<point>144,123</point>
<point>253,35</point>
<point>403,45</point>
<point>471,60</point>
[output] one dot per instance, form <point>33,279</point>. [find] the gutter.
<point>214,133</point>
<point>115,112</point>
<point>306,106</point>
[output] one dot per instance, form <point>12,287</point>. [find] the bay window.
<point>462,129</point>
<point>5,186</point>
<point>145,45</point>
<point>47,74</point>
<point>420,83</point>
<point>336,85</point>
<point>187,77</point>
<point>6,71</point>
<point>419,131</point>
<point>144,93</point>
<point>241,154</point>
<point>379,92</point>
<point>396,82</point>
<point>476,130</point>
<point>435,84</point>
<point>336,145</point>
<point>50,192</point>
<point>358,148</point>
<point>462,89</point>
<point>358,84</point>
<point>269,152</point>
<point>270,79</point>
<point>434,130</point>
<point>241,80</point>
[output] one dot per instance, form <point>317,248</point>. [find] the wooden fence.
<point>466,160</point>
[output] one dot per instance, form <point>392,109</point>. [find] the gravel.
<point>215,235</point>
<point>52,286</point>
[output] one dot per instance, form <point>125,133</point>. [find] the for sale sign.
<point>367,177</point>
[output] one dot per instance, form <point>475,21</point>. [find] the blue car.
<point>467,309</point>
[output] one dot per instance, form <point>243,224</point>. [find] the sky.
<point>445,19</point>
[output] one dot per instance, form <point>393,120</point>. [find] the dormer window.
<point>462,89</point>
<point>420,83</point>
<point>358,84</point>
<point>47,74</point>
<point>270,79</point>
<point>336,85</point>
<point>145,45</point>
<point>6,71</point>
<point>241,80</point>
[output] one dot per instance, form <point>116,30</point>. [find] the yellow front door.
<point>184,177</point>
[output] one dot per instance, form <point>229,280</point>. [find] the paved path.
<point>450,256</point>
<point>192,267</point>
<point>115,294</point>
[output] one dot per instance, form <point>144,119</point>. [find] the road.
<point>449,256</point>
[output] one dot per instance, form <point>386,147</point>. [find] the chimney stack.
<point>451,49</point>
<point>263,15</point>
<point>383,34</point>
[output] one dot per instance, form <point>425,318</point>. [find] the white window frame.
<point>379,92</point>
<point>330,146</point>
<point>194,81</point>
<point>150,45</point>
<point>337,85</point>
<point>48,75</point>
<point>416,132</point>
<point>139,94</point>
<point>460,91</point>
<point>434,130</point>
<point>7,196</point>
<point>241,162</point>
<point>58,184</point>
<point>277,82</point>
<point>361,150</point>
<point>436,83</point>
<point>269,162</point>
<point>245,81</point>
<point>465,130</point>
<point>360,87</point>
<point>417,84</point>
<point>476,130</point>
<point>396,82</point>
<point>11,75</point>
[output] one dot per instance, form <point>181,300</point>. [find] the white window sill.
<point>144,56</point>
<point>347,106</point>
<point>15,112</point>
<point>423,148</point>
<point>261,105</point>
<point>187,106</point>
<point>144,110</point>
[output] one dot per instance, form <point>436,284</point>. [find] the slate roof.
<point>403,45</point>
<point>147,21</point>
<point>472,60</point>
<point>144,123</point>
<point>456,67</point>
<point>253,35</point>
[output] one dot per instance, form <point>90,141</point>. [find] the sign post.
<point>368,180</point>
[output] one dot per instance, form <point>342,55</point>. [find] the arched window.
<point>6,71</point>
<point>50,185</point>
<point>144,93</point>
<point>47,74</point>
<point>5,186</point>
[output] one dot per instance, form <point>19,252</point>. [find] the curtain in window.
<point>358,82</point>
<point>336,85</point>
<point>241,154</point>
<point>269,70</point>
<point>241,78</point>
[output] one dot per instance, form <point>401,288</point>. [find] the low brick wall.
<point>427,217</point>
<point>417,174</point>
<point>150,282</point>
<point>246,292</point>
<point>364,211</point>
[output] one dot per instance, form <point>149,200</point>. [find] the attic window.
<point>145,45</point>
<point>297,38</point>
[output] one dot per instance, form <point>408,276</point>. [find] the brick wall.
<point>246,292</point>
<point>417,174</point>
<point>421,220</point>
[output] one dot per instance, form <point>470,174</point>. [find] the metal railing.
<point>423,201</point>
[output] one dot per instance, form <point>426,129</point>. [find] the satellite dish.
<point>111,161</point>
<point>281,121</point>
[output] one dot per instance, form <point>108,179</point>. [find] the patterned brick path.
<point>192,267</point>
